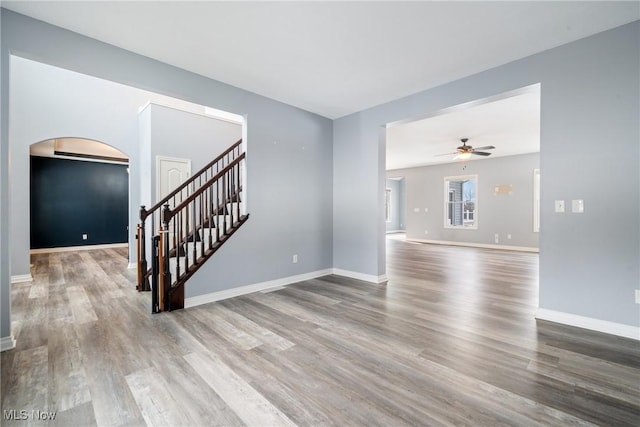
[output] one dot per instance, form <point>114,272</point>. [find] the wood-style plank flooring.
<point>451,339</point>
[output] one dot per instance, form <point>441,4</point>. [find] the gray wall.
<point>589,96</point>
<point>5,269</point>
<point>502,214</point>
<point>289,162</point>
<point>185,135</point>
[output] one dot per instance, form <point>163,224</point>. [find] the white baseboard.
<point>79,248</point>
<point>360,276</point>
<point>7,343</point>
<point>19,278</point>
<point>626,331</point>
<point>477,245</point>
<point>249,289</point>
<point>132,265</point>
<point>272,285</point>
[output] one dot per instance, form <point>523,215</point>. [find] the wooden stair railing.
<point>194,221</point>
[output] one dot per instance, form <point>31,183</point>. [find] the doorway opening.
<point>435,156</point>
<point>79,195</point>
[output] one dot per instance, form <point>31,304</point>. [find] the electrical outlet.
<point>637,296</point>
<point>85,237</point>
<point>559,206</point>
<point>508,236</point>
<point>295,258</point>
<point>496,238</point>
<point>426,231</point>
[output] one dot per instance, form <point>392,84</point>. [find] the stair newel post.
<point>142,255</point>
<point>177,246</point>
<point>155,272</point>
<point>165,273</point>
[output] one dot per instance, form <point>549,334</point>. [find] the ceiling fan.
<point>465,151</point>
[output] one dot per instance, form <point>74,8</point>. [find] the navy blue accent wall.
<point>70,198</point>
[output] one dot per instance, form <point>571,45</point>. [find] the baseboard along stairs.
<point>188,226</point>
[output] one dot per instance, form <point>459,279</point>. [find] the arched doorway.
<point>79,194</point>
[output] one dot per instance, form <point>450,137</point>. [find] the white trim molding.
<point>249,289</point>
<point>360,276</point>
<point>276,284</point>
<point>476,245</point>
<point>7,343</point>
<point>79,248</point>
<point>626,331</point>
<point>20,278</point>
<point>132,265</point>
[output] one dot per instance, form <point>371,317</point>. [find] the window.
<point>536,200</point>
<point>387,205</point>
<point>461,204</point>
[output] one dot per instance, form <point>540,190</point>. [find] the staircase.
<point>188,226</point>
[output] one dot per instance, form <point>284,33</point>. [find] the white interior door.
<point>171,172</point>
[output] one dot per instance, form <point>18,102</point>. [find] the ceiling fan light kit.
<point>465,151</point>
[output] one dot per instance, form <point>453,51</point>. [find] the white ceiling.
<point>334,58</point>
<point>511,123</point>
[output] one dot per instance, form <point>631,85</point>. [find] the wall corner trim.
<point>19,278</point>
<point>7,343</point>
<point>626,331</point>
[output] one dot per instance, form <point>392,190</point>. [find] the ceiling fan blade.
<point>487,147</point>
<point>480,153</point>
<point>445,154</point>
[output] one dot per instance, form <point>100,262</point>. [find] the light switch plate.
<point>559,205</point>
<point>577,206</point>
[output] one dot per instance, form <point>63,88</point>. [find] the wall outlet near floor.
<point>295,258</point>
<point>637,296</point>
<point>508,236</point>
<point>85,236</point>
<point>426,231</point>
<point>496,238</point>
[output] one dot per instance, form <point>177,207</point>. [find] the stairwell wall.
<point>181,134</point>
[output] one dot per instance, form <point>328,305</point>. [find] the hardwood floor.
<point>449,340</point>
